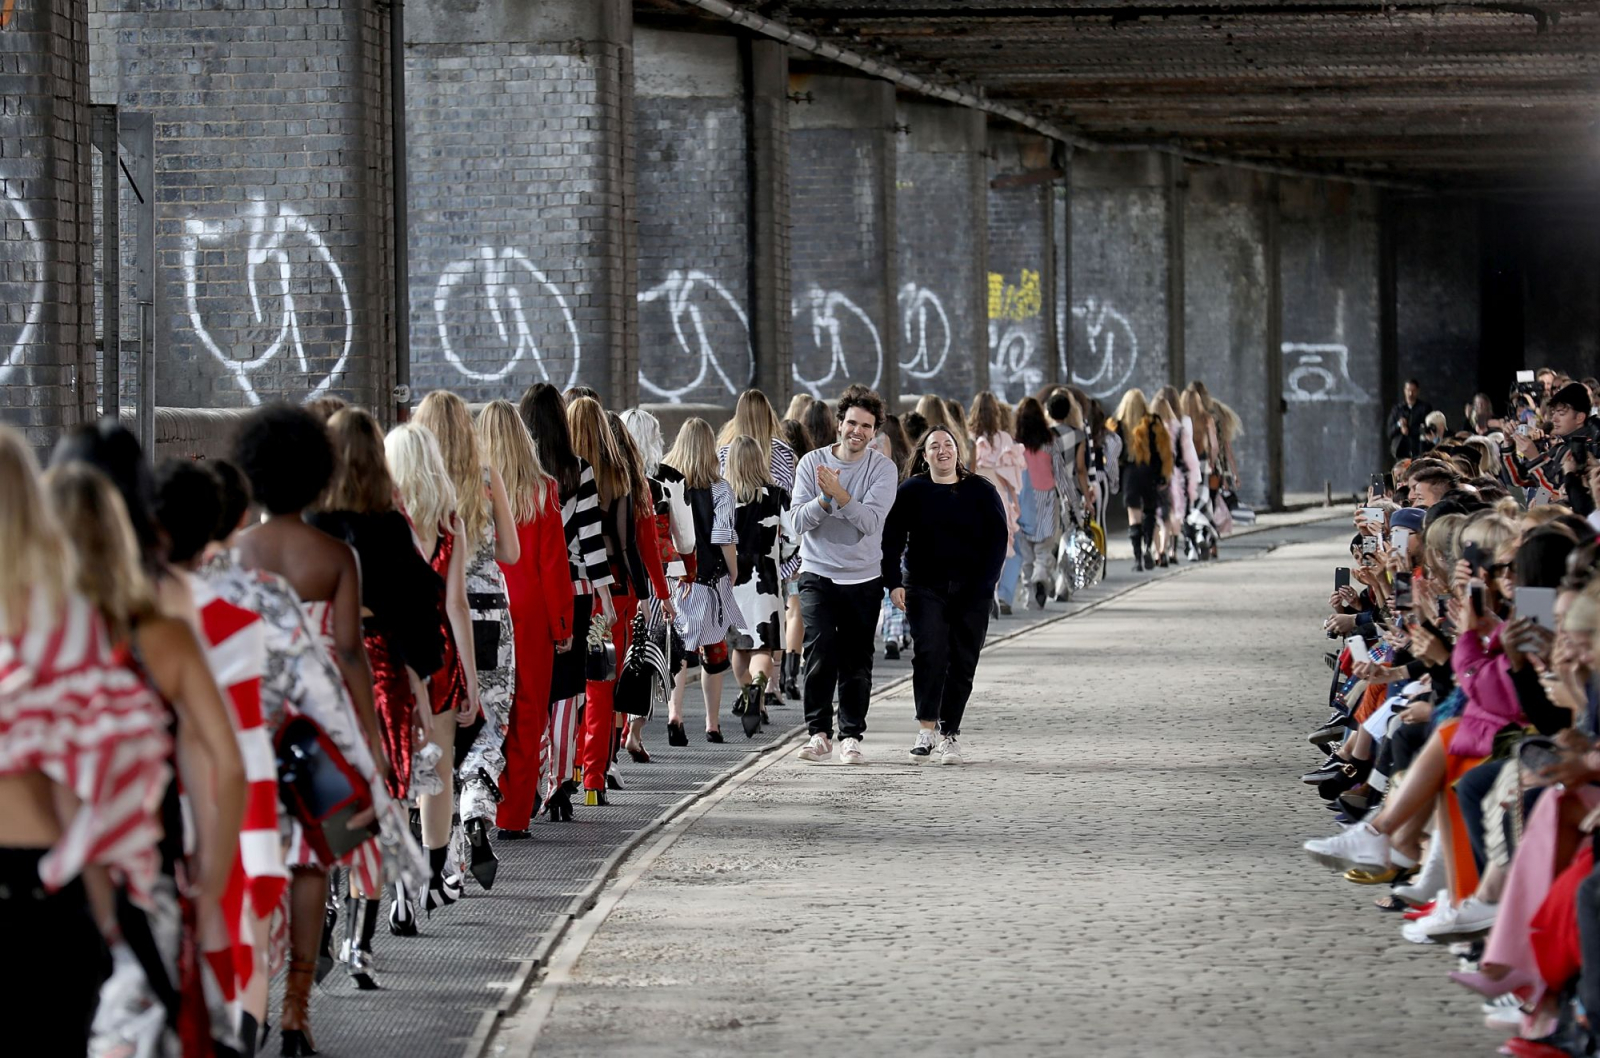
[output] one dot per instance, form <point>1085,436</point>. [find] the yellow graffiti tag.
<point>1022,301</point>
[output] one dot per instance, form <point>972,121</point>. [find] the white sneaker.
<point>949,751</point>
<point>1428,880</point>
<point>820,748</point>
<point>850,751</point>
<point>1422,930</point>
<point>1360,846</point>
<point>924,747</point>
<point>1471,916</point>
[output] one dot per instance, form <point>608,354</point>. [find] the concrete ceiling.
<point>1473,93</point>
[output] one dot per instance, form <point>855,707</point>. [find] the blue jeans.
<point>1011,572</point>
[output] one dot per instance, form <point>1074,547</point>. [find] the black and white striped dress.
<point>586,557</point>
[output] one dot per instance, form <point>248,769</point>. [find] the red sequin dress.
<point>448,688</point>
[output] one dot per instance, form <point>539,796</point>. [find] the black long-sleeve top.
<point>953,537</point>
<point>397,584</point>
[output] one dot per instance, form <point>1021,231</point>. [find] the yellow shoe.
<point>1362,876</point>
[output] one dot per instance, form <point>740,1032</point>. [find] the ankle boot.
<point>361,920</point>
<point>1136,538</point>
<point>294,1020</point>
<point>441,893</point>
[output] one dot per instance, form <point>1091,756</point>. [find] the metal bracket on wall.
<point>802,98</point>
<point>136,134</point>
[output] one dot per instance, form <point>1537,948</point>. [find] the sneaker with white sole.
<point>923,748</point>
<point>950,751</point>
<point>1470,917</point>
<point>1360,846</point>
<point>820,748</point>
<point>1422,888</point>
<point>850,751</point>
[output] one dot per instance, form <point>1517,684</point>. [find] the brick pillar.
<point>47,355</point>
<point>524,260</point>
<point>1021,264</point>
<point>771,314</point>
<point>941,206</point>
<point>842,250</point>
<point>272,190</point>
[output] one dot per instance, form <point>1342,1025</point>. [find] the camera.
<point>1527,386</point>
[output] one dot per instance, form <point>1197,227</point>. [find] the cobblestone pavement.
<point>1116,871</point>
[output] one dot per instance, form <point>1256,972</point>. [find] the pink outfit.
<point>1533,872</point>
<point>1484,676</point>
<point>1040,473</point>
<point>1183,489</point>
<point>1000,459</point>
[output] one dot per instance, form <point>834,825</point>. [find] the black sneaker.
<point>1040,594</point>
<point>891,651</point>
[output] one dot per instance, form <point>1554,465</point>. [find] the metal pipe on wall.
<point>401,397</point>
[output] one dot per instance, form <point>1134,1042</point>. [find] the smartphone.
<point>1442,608</point>
<point>1538,605</point>
<point>1369,545</point>
<point>1473,553</point>
<point>1580,456</point>
<point>1402,590</point>
<point>1376,488</point>
<point>1522,429</point>
<point>1399,539</point>
<point>1358,649</point>
<point>1475,596</point>
<point>1371,514</point>
<point>1341,578</point>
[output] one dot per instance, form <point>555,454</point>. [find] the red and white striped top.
<point>73,708</point>
<point>236,650</point>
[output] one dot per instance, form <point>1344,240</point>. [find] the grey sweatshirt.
<point>843,543</point>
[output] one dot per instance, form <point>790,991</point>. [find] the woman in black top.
<point>951,526</point>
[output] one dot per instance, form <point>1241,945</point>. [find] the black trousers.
<point>841,629</point>
<point>948,629</point>
<point>55,961</point>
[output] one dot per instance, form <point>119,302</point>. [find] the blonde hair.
<point>1490,531</point>
<point>798,405</point>
<point>420,475</point>
<point>1441,543</point>
<point>1162,409</point>
<point>1132,409</point>
<point>592,440</point>
<point>445,415</point>
<point>747,469</point>
<point>694,454</point>
<point>933,412</point>
<point>752,417</point>
<point>645,429</point>
<point>509,449</point>
<point>95,521</point>
<point>35,562</point>
<point>1435,418</point>
<point>1229,425</point>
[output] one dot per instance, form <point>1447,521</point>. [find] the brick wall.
<point>691,142</point>
<point>1021,288</point>
<point>46,220</point>
<point>1118,314</point>
<point>1437,301</point>
<point>940,211</point>
<point>842,250</point>
<point>271,188</point>
<point>520,199</point>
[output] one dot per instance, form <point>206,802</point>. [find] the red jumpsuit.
<point>539,591</point>
<point>599,719</point>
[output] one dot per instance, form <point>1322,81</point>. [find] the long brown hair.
<point>509,448</point>
<point>986,420</point>
<point>445,415</point>
<point>633,459</point>
<point>748,469</point>
<point>752,417</point>
<point>361,480</point>
<point>110,570</point>
<point>592,440</point>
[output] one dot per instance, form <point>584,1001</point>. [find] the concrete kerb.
<point>542,997</point>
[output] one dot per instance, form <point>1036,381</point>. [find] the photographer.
<point>1406,423</point>
<point>1552,468</point>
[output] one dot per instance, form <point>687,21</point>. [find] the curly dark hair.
<point>285,453</point>
<point>859,396</point>
<point>1032,432</point>
<point>188,506</point>
<point>235,495</point>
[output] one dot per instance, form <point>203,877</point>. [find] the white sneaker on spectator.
<point>1420,931</point>
<point>820,748</point>
<point>1505,1018</point>
<point>1428,880</point>
<point>850,751</point>
<point>1360,846</point>
<point>1471,916</point>
<point>950,751</point>
<point>924,747</point>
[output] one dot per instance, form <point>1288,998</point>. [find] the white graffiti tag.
<point>1314,373</point>
<point>32,273</point>
<point>1011,360</point>
<point>831,314</point>
<point>1112,345</point>
<point>510,283</point>
<point>927,331</point>
<point>687,296</point>
<point>281,244</point>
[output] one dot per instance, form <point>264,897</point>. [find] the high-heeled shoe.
<point>614,781</point>
<point>676,735</point>
<point>442,891</point>
<point>1490,987</point>
<point>595,798</point>
<point>714,736</point>
<point>330,921</point>
<point>402,916</point>
<point>356,952</point>
<point>483,863</point>
<point>640,755</point>
<point>294,1021</point>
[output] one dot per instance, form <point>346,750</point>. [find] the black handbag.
<point>601,663</point>
<point>643,671</point>
<point>322,790</point>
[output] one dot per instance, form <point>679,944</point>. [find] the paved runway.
<point>1116,872</point>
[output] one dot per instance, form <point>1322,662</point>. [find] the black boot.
<point>1147,529</point>
<point>483,864</point>
<point>1136,538</point>
<point>356,952</point>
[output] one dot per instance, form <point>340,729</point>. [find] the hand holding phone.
<point>1341,578</point>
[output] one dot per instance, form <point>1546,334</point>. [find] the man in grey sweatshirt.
<point>842,495</point>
